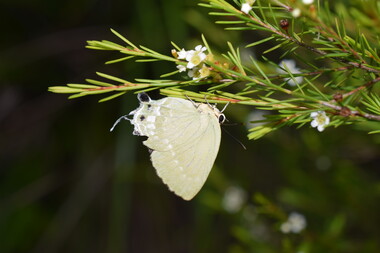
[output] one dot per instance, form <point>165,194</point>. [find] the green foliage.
<point>340,71</point>
<point>341,67</point>
<point>68,185</point>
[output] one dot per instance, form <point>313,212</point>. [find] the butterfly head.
<point>219,114</point>
<point>221,118</point>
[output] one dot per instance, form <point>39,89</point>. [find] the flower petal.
<point>314,114</point>
<point>182,54</point>
<point>321,128</point>
<point>245,7</point>
<point>181,68</point>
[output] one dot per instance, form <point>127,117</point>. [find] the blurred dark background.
<point>69,185</point>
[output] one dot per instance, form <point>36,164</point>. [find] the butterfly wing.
<point>185,141</point>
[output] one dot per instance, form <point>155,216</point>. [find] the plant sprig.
<point>343,89</point>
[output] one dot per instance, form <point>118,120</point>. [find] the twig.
<point>313,49</point>
<point>346,112</point>
<point>366,85</point>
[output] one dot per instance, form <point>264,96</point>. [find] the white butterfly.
<point>184,138</point>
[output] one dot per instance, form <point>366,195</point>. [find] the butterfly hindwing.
<point>185,139</point>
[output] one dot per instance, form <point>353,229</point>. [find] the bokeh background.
<point>69,185</point>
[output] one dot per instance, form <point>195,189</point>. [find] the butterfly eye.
<point>221,118</point>
<point>143,97</point>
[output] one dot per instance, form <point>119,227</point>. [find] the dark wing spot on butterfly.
<point>149,106</point>
<point>142,117</point>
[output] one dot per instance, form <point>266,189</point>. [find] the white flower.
<point>181,68</point>
<point>307,1</point>
<point>296,223</point>
<point>296,12</point>
<point>182,54</point>
<point>195,57</point>
<point>233,199</point>
<point>245,7</point>
<point>291,66</point>
<point>320,120</point>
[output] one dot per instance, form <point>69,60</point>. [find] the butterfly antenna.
<point>236,139</point>
<point>224,108</point>
<point>195,105</point>
<point>232,124</point>
<point>205,98</point>
<point>211,106</point>
<point>118,121</point>
<point>214,106</point>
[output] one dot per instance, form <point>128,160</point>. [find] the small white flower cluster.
<point>233,199</point>
<point>194,59</point>
<point>320,120</point>
<point>295,224</point>
<point>247,6</point>
<point>291,66</point>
